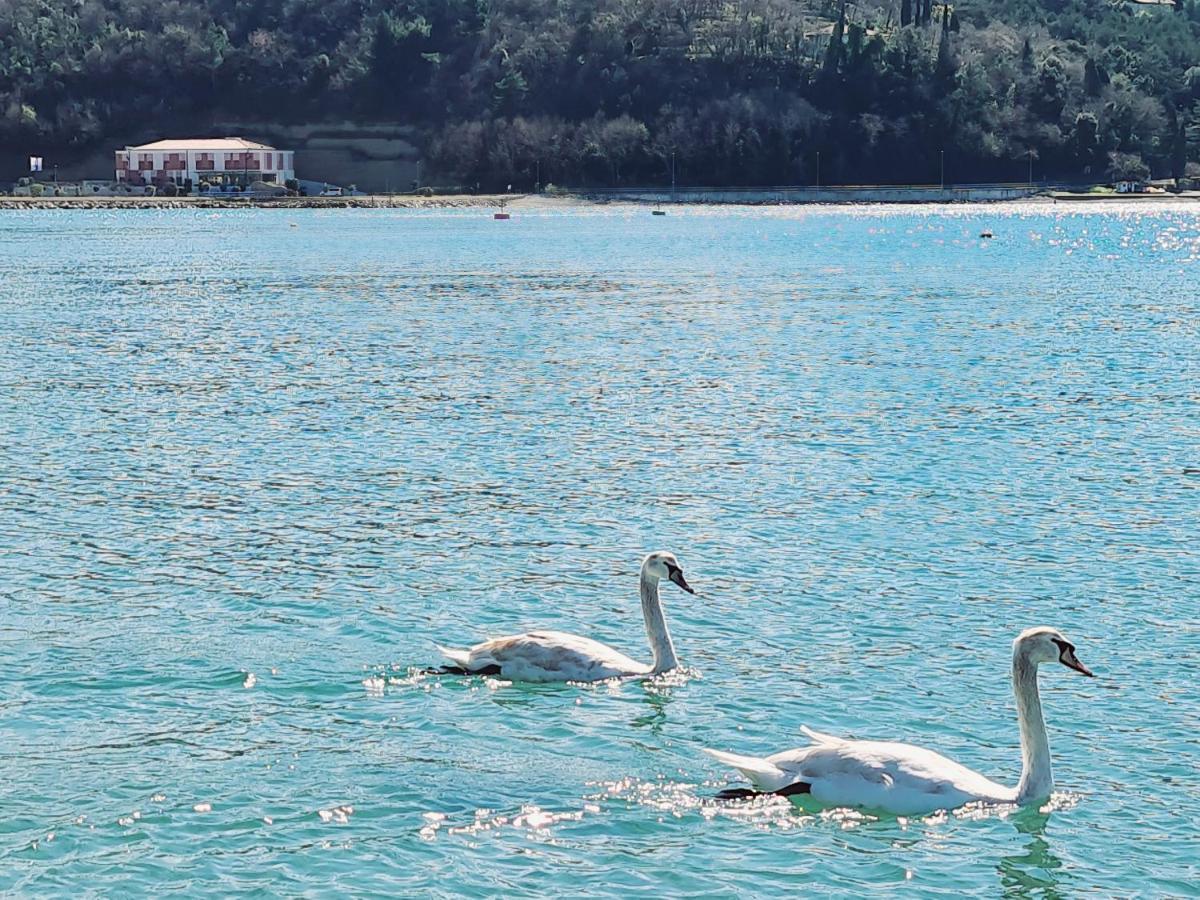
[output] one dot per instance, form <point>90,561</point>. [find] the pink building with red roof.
<point>230,160</point>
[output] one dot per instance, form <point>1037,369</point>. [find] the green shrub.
<point>1127,167</point>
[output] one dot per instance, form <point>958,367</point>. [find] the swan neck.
<point>1037,782</point>
<point>656,626</point>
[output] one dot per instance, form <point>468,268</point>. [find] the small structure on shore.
<point>230,161</point>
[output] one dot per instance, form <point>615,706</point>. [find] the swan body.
<point>899,778</point>
<point>902,779</point>
<point>546,656</point>
<point>542,656</point>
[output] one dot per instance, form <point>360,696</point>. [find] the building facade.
<point>218,161</point>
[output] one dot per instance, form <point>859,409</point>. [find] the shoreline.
<point>520,201</point>
<point>366,201</point>
<point>1068,197</point>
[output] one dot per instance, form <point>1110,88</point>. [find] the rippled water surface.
<point>255,463</point>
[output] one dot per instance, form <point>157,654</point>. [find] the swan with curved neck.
<point>905,780</point>
<point>557,656</point>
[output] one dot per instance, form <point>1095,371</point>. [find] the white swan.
<point>905,780</point>
<point>555,656</point>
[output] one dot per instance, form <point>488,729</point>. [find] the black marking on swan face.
<point>1063,646</point>
<point>1066,656</point>
<point>675,575</point>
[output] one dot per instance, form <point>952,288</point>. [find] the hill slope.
<point>604,91</point>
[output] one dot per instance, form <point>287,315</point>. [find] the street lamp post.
<point>942,166</point>
<point>818,169</point>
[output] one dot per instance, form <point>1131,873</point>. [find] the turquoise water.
<point>257,462</point>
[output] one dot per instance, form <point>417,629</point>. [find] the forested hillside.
<point>605,91</point>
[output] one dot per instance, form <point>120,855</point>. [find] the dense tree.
<point>1094,78</point>
<point>605,91</point>
<point>1085,142</point>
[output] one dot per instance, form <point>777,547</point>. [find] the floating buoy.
<point>502,216</point>
<point>985,234</point>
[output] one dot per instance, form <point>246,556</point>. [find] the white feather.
<point>764,775</point>
<point>458,657</point>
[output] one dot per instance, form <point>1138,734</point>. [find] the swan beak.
<point>1071,661</point>
<point>676,575</point>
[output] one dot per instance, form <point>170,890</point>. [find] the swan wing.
<point>762,773</point>
<point>552,656</point>
<point>893,777</point>
<point>460,658</point>
<point>819,737</point>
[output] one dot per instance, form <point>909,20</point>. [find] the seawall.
<point>367,201</point>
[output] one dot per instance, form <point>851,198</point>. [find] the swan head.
<point>1047,645</point>
<point>662,564</point>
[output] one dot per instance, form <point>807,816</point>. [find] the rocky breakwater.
<point>373,201</point>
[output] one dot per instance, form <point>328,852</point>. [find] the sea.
<point>255,464</point>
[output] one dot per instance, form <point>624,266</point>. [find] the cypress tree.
<point>945,61</point>
<point>833,53</point>
<point>1178,146</point>
<point>1094,78</point>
